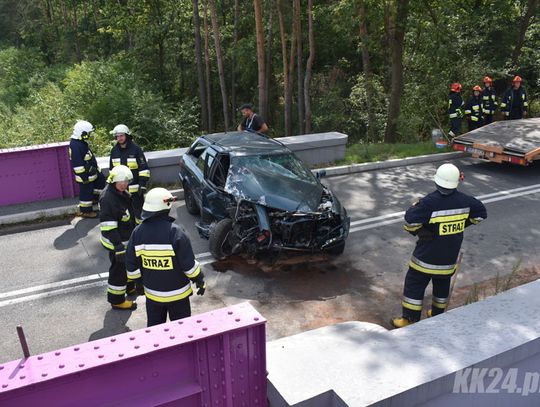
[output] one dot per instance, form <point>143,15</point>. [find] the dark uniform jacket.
<point>439,221</point>
<point>160,253</point>
<point>489,100</point>
<point>83,162</point>
<point>455,105</point>
<point>117,220</point>
<point>473,108</point>
<point>515,102</point>
<point>132,157</point>
<point>254,122</point>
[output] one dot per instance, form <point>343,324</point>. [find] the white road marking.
<point>96,280</point>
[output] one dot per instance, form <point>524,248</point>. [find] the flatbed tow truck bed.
<point>512,141</point>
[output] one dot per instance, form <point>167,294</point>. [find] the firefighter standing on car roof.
<point>438,220</point>
<point>160,254</point>
<point>473,109</point>
<point>489,100</point>
<point>514,104</point>
<point>87,173</point>
<point>126,152</point>
<point>117,223</point>
<point>455,109</point>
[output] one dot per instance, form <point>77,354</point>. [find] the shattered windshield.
<point>276,180</point>
<point>281,165</point>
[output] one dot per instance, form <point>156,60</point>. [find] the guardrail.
<point>212,359</point>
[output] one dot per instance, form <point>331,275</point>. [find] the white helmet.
<point>447,176</point>
<point>120,173</point>
<point>119,129</point>
<point>82,130</point>
<point>158,199</point>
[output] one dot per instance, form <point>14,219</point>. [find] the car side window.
<point>197,149</point>
<point>204,162</point>
<point>218,173</point>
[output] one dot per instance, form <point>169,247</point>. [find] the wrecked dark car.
<point>253,194</point>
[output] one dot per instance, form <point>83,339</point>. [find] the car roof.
<point>245,143</point>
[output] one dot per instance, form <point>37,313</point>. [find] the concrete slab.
<point>404,367</point>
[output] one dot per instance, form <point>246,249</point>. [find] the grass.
<point>362,153</point>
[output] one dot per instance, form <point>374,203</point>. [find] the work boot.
<point>90,215</point>
<point>401,322</point>
<point>127,305</point>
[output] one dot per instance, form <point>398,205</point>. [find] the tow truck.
<point>509,141</point>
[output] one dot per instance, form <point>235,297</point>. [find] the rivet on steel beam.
<point>43,374</point>
<point>113,339</point>
<point>57,353</point>
<point>4,386</point>
<point>75,349</point>
<point>190,336</point>
<point>172,337</point>
<point>137,346</point>
<point>120,355</point>
<point>166,329</point>
<point>230,312</point>
<point>256,319</point>
<point>199,321</point>
<point>205,329</point>
<point>131,338</point>
<point>142,378</point>
<point>96,347</point>
<point>237,319</point>
<point>40,357</point>
<point>61,366</point>
<point>22,377</point>
<point>147,330</point>
<point>156,345</point>
<point>81,364</point>
<point>100,356</point>
<point>180,322</point>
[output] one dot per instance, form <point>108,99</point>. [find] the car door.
<point>215,200</point>
<point>192,168</point>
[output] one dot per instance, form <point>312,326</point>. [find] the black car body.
<point>254,194</point>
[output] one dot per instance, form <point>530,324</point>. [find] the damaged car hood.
<point>290,188</point>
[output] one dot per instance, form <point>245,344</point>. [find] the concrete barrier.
<point>483,354</point>
<point>212,359</point>
<point>314,149</point>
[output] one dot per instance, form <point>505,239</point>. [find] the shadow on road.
<point>70,237</point>
<point>114,323</point>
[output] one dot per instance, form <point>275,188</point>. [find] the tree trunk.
<point>198,58</point>
<point>234,50</point>
<point>260,57</point>
<point>286,86</point>
<point>268,63</point>
<point>524,25</point>
<point>292,63</point>
<point>299,67</point>
<point>76,34</point>
<point>366,65</point>
<point>208,69</point>
<point>309,67</point>
<point>219,60</point>
<point>398,26</point>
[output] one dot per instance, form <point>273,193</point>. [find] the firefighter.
<point>160,254</point>
<point>126,152</point>
<point>438,220</point>
<point>515,104</point>
<point>117,223</point>
<point>455,109</point>
<point>87,173</point>
<point>473,109</point>
<point>489,100</point>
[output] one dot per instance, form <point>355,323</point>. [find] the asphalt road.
<point>53,277</point>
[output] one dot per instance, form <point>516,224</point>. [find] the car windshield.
<point>281,165</point>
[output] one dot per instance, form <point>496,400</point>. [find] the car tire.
<point>337,250</point>
<point>191,204</point>
<point>218,240</point>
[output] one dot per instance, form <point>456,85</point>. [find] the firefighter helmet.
<point>120,129</point>
<point>455,87</point>
<point>447,176</point>
<point>82,130</point>
<point>120,173</point>
<point>157,200</point>
<point>478,88</point>
<point>517,78</point>
<point>487,79</point>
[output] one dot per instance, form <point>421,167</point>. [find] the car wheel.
<point>337,249</point>
<point>219,239</point>
<point>191,204</point>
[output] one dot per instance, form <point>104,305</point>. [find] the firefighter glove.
<point>201,288</point>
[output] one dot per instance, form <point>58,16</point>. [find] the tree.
<point>287,91</point>
<point>523,26</point>
<point>260,57</point>
<point>198,58</point>
<point>297,18</point>
<point>366,66</point>
<point>219,59</point>
<point>397,25</point>
<point>309,68</point>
